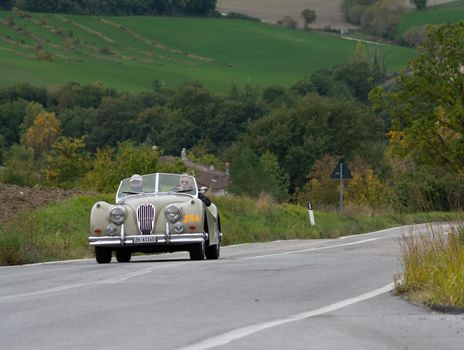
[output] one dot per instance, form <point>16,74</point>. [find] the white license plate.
<point>145,239</point>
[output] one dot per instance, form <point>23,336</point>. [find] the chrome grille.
<point>146,218</point>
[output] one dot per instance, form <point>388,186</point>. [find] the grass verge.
<point>60,231</point>
<point>434,269</point>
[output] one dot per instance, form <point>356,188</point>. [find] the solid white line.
<point>239,333</point>
<point>375,232</point>
<point>316,249</point>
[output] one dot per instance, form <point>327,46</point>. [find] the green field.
<point>128,53</point>
<point>447,13</point>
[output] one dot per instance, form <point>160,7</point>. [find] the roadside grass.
<point>129,53</point>
<point>446,13</point>
<point>434,269</point>
<point>55,232</point>
<point>59,231</point>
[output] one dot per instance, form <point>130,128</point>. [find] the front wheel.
<point>197,251</point>
<point>213,251</point>
<point>123,255</point>
<point>103,255</point>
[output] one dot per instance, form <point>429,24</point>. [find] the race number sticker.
<point>190,218</point>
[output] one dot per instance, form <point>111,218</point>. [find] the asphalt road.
<point>300,294</point>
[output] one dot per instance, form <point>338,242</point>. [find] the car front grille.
<point>146,218</point>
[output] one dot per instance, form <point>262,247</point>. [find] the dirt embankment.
<point>15,199</point>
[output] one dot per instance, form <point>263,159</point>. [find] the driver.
<point>185,182</point>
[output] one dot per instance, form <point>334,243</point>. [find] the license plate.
<point>145,239</point>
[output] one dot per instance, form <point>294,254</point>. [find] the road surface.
<point>299,294</point>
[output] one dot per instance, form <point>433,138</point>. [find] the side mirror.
<point>203,189</point>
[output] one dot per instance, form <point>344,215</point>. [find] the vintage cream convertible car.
<point>156,213</point>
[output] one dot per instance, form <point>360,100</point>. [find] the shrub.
<point>355,14</point>
<point>288,22</point>
<point>43,55</point>
<point>382,18</point>
<point>420,4</point>
<point>107,51</point>
<point>414,37</point>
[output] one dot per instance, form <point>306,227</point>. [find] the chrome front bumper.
<point>159,239</point>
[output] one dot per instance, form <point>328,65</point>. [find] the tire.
<point>197,251</point>
<point>123,255</point>
<point>103,255</point>
<point>213,251</point>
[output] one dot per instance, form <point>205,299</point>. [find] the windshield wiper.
<point>132,192</point>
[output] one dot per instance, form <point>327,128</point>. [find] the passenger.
<point>136,183</point>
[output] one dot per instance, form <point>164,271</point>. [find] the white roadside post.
<point>311,214</point>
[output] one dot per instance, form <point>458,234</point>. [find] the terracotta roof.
<point>207,176</point>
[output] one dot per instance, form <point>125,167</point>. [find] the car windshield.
<point>157,183</point>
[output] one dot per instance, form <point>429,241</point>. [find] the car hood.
<point>158,201</point>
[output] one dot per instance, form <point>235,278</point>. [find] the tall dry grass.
<point>434,268</point>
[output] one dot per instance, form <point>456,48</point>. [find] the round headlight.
<point>172,213</point>
<point>117,215</point>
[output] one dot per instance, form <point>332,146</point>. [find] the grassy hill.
<point>128,53</point>
<point>446,13</point>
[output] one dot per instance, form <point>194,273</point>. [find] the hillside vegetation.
<point>129,53</point>
<point>59,231</point>
<point>447,13</point>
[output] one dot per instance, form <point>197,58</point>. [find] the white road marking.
<point>84,284</point>
<point>138,273</point>
<point>376,232</point>
<point>46,291</point>
<point>239,333</point>
<point>316,249</point>
<point>157,267</point>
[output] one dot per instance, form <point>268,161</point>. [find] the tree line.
<point>115,7</point>
<point>401,139</point>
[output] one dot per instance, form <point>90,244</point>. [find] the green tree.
<point>43,133</point>
<point>67,162</point>
<point>111,165</point>
<point>24,92</point>
<point>20,167</point>
<point>115,121</point>
<point>11,117</point>
<point>288,22</point>
<point>275,181</point>
<point>32,110</point>
<point>353,10</point>
<point>382,18</point>
<point>309,17</point>
<point>246,173</point>
<point>77,121</point>
<point>298,135</point>
<point>426,105</point>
